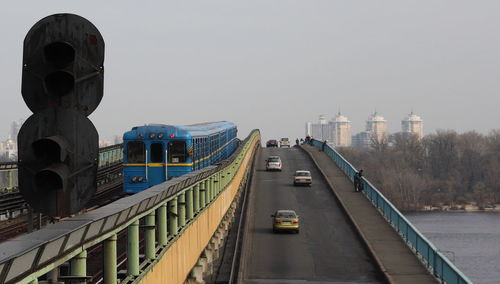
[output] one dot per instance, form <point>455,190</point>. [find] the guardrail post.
<point>203,194</point>
<point>196,198</point>
<point>210,187</point>
<point>207,192</point>
<point>10,184</point>
<point>189,203</point>
<point>78,266</point>
<point>222,178</point>
<point>214,187</point>
<point>133,249</point>
<point>172,217</point>
<point>150,246</point>
<point>162,224</point>
<point>219,181</point>
<point>110,269</point>
<point>182,209</point>
<point>53,275</point>
<point>217,186</point>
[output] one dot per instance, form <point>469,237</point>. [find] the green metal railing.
<point>109,155</point>
<point>174,204</point>
<point>432,258</point>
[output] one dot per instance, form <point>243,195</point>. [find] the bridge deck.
<point>398,261</point>
<point>327,249</point>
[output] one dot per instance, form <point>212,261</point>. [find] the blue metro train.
<point>156,153</point>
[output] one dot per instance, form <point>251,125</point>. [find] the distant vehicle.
<point>155,153</point>
<point>272,143</point>
<point>273,163</point>
<point>302,178</point>
<point>284,142</point>
<point>285,220</point>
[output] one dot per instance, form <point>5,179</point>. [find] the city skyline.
<point>338,129</point>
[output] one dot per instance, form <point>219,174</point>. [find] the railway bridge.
<point>189,230</point>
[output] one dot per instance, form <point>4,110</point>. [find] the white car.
<point>302,178</point>
<point>273,163</point>
<point>284,142</point>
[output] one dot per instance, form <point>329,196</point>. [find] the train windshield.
<point>136,152</point>
<point>176,151</point>
<point>156,152</point>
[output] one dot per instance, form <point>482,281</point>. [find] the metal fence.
<point>430,256</point>
<point>108,156</point>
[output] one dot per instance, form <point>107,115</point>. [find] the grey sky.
<point>275,64</point>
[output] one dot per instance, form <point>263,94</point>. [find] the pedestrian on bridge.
<point>297,141</point>
<point>323,146</point>
<point>358,181</point>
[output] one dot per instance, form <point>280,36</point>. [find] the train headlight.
<point>151,136</point>
<point>134,179</point>
<point>140,179</point>
<point>160,135</point>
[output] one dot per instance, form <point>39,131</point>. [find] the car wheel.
<point>297,231</point>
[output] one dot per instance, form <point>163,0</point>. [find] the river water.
<point>470,239</point>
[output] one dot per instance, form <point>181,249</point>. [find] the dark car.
<point>272,143</point>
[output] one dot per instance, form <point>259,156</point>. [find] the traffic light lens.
<point>47,180</point>
<point>47,150</point>
<point>60,54</point>
<point>59,83</point>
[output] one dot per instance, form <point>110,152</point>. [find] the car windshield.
<point>286,215</point>
<point>274,160</point>
<point>284,139</point>
<point>302,174</point>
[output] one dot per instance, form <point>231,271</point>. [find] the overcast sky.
<point>274,65</point>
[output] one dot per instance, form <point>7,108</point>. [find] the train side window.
<point>156,152</point>
<point>176,151</point>
<point>195,149</point>
<point>136,152</point>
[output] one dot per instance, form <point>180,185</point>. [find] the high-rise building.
<point>14,129</point>
<point>413,124</point>
<point>321,130</point>
<point>308,129</point>
<point>341,130</point>
<point>362,140</point>
<point>377,125</point>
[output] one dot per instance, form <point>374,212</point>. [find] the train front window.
<point>176,152</point>
<point>136,152</point>
<point>156,153</point>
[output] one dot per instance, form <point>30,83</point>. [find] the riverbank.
<point>461,208</point>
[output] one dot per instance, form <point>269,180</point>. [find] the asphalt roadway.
<point>327,249</point>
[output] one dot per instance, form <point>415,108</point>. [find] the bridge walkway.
<point>398,262</point>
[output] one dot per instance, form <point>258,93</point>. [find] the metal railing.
<point>108,156</point>
<point>167,210</point>
<point>431,257</point>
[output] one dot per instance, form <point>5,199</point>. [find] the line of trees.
<point>444,168</point>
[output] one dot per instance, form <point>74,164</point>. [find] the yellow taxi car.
<point>285,220</point>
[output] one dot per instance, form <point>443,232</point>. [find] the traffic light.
<point>62,84</point>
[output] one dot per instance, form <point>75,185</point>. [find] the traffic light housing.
<point>62,84</point>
